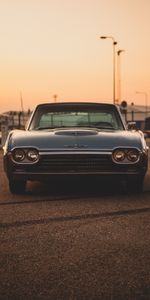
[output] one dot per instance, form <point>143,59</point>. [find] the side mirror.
<point>132,126</point>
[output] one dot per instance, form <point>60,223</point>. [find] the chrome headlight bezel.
<point>126,155</point>
<point>29,155</point>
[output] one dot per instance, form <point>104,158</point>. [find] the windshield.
<point>101,119</point>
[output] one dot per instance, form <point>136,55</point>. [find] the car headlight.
<point>32,155</point>
<point>126,156</point>
<point>119,155</point>
<point>133,155</point>
<point>19,155</point>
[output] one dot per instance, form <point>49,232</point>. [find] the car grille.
<point>89,163</point>
<point>75,163</point>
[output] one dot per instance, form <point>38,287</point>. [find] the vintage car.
<point>75,138</point>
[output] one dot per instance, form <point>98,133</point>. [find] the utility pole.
<point>114,43</point>
<point>119,76</point>
<point>21,101</point>
<point>55,98</point>
<point>22,112</point>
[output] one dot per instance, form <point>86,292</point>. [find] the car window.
<point>106,119</point>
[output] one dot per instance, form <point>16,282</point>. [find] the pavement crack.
<point>75,218</point>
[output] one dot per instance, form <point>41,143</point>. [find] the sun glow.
<point>53,47</point>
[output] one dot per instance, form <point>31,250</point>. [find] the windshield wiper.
<point>94,126</point>
<point>107,128</point>
<point>42,128</point>
<point>69,127</point>
<point>49,127</point>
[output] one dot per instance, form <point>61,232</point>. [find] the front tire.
<point>17,186</point>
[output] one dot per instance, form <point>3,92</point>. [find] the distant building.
<point>138,114</point>
<point>12,120</point>
<point>15,119</point>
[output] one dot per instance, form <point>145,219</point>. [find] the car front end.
<point>37,154</point>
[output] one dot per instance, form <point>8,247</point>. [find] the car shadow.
<point>78,187</point>
<point>83,187</point>
<point>67,190</point>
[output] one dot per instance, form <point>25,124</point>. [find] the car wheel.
<point>135,184</point>
<point>17,186</point>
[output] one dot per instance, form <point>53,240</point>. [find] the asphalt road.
<point>74,240</point>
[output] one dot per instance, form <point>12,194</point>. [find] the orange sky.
<point>52,47</point>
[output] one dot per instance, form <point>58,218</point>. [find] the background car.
<point>75,138</point>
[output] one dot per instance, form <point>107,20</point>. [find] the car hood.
<point>69,139</point>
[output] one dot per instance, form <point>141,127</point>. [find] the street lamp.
<point>114,64</point>
<point>119,76</point>
<point>146,100</point>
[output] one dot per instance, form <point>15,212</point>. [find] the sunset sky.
<point>53,47</point>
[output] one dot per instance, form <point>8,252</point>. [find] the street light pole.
<point>119,76</point>
<point>21,101</point>
<point>114,64</point>
<point>146,101</point>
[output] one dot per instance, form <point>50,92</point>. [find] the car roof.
<point>77,104</point>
